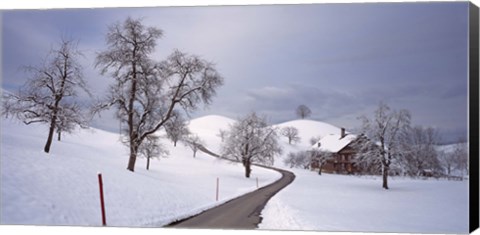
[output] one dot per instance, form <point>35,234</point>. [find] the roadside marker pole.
<point>257,182</point>
<point>217,187</point>
<point>102,204</point>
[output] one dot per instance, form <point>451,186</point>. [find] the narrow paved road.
<point>239,213</point>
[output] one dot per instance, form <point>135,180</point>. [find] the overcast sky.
<point>341,60</point>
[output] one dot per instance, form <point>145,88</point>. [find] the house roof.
<point>333,143</point>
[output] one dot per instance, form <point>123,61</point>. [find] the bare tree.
<point>145,93</point>
<point>447,161</point>
<point>194,142</point>
<point>418,151</point>
<point>303,111</point>
<point>319,158</point>
<point>176,128</point>
<point>251,140</point>
<point>385,129</point>
<point>152,148</point>
<point>315,139</point>
<point>222,134</point>
<point>290,160</point>
<point>291,133</point>
<point>49,95</point>
<point>301,159</point>
<point>69,119</point>
<point>460,156</point>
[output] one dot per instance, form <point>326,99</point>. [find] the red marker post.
<point>102,204</point>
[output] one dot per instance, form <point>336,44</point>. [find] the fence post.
<point>217,188</point>
<point>102,204</point>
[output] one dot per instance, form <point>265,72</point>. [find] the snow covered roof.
<point>333,143</point>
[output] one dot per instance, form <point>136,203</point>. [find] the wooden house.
<point>340,149</point>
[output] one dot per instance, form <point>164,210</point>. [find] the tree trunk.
<point>132,134</point>
<point>385,176</point>
<point>174,143</point>
<point>133,158</point>
<point>148,163</point>
<point>248,169</point>
<point>50,134</point>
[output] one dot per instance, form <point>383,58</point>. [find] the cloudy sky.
<point>341,60</point>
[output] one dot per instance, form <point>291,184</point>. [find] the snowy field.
<point>61,188</point>
<point>352,203</point>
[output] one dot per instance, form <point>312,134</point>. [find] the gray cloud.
<point>339,59</point>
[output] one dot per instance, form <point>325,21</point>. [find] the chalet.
<point>341,151</point>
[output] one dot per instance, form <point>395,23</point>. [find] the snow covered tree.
<point>418,151</point>
<point>194,142</point>
<point>49,95</point>
<point>251,140</point>
<point>315,140</point>
<point>460,157</point>
<point>384,129</point>
<point>454,158</point>
<point>146,94</point>
<point>176,128</point>
<point>303,111</point>
<point>319,158</point>
<point>222,134</point>
<point>291,133</point>
<point>152,148</point>
<point>301,159</point>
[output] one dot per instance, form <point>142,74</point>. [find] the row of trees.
<point>389,140</point>
<point>147,95</point>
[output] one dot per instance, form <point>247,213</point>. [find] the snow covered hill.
<point>61,188</point>
<point>208,128</point>
<point>309,128</point>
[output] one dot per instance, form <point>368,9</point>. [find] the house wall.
<point>341,162</point>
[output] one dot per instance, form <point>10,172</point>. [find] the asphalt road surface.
<point>239,213</point>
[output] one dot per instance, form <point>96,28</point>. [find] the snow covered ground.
<point>351,203</point>
<point>61,188</point>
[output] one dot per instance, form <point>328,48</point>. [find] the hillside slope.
<point>61,188</point>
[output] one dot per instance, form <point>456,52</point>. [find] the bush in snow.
<point>301,159</point>
<point>315,140</point>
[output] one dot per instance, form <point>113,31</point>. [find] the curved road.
<point>240,213</point>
